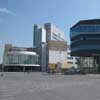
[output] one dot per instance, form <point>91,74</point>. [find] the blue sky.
<point>17,17</point>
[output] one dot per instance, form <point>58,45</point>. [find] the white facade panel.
<point>43,35</point>
<point>56,33</point>
<point>57,56</point>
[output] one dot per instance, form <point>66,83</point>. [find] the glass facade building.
<point>85,38</point>
<point>85,44</point>
<point>20,59</point>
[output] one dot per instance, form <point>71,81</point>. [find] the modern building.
<point>20,59</point>
<point>54,33</point>
<point>47,32</point>
<point>57,51</point>
<point>45,37</point>
<point>39,36</point>
<point>85,43</point>
<point>40,44</point>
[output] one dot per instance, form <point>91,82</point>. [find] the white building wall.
<point>43,38</point>
<point>58,32</point>
<point>57,56</point>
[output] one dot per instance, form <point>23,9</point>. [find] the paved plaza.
<point>41,86</point>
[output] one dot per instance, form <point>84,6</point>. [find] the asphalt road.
<point>40,86</point>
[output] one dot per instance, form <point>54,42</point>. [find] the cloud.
<point>6,11</point>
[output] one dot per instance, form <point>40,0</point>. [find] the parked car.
<point>72,72</point>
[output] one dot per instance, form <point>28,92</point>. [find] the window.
<point>70,58</point>
<point>70,62</point>
<point>84,38</point>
